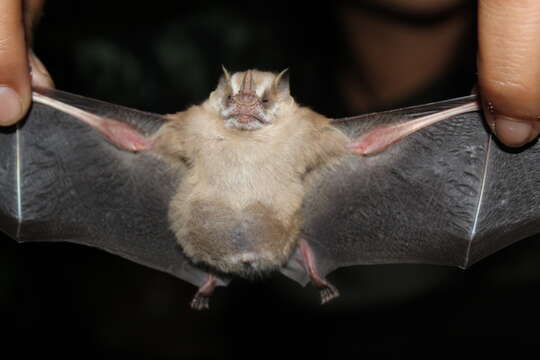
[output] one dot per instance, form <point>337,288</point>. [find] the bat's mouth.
<point>244,121</point>
<point>247,118</point>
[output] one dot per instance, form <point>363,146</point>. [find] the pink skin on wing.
<point>382,137</point>
<point>122,135</point>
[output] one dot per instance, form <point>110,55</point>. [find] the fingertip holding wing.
<point>508,63</point>
<point>382,137</point>
<point>15,90</point>
<point>117,133</point>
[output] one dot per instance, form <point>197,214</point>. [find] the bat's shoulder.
<point>311,118</point>
<point>320,127</point>
<point>194,121</point>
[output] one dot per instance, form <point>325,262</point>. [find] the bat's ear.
<point>223,88</point>
<point>225,78</point>
<point>226,73</point>
<point>281,83</point>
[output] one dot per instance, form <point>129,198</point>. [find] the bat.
<point>249,183</point>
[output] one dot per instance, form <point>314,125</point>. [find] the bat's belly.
<point>237,224</point>
<point>246,241</point>
<point>243,185</point>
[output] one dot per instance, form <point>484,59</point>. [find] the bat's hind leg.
<point>327,290</point>
<point>201,300</point>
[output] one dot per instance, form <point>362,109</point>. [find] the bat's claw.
<point>200,302</point>
<point>328,293</point>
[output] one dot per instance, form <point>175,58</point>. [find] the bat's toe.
<point>200,302</point>
<point>328,293</point>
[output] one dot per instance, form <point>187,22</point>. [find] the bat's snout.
<point>248,111</point>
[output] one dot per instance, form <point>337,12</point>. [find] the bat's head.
<point>253,99</point>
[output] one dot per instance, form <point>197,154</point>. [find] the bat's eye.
<point>265,100</point>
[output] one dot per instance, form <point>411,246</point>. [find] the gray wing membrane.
<point>510,207</point>
<point>145,122</point>
<point>61,181</point>
<point>448,195</point>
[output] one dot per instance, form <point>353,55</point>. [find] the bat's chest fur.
<point>241,171</point>
<point>238,204</point>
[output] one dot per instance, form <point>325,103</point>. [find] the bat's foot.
<point>201,300</point>
<point>328,291</point>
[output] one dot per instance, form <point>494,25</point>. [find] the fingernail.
<point>534,135</point>
<point>40,79</point>
<point>10,106</point>
<point>40,75</point>
<point>36,63</point>
<point>513,132</point>
<point>489,115</point>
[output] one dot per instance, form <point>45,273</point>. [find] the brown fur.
<point>240,201</point>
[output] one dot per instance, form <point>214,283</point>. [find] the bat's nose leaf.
<point>247,85</point>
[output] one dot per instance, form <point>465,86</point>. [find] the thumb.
<point>14,71</point>
<point>509,68</point>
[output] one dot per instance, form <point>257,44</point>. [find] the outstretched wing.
<point>448,194</point>
<point>61,181</point>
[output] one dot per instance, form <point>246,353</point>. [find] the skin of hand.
<point>509,68</point>
<point>19,67</point>
<point>508,62</point>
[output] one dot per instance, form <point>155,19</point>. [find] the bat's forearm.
<point>380,138</point>
<point>117,133</point>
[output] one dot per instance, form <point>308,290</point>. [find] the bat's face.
<point>252,100</point>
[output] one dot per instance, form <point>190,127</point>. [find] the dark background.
<point>68,300</point>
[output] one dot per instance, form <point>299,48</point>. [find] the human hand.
<point>16,60</point>
<point>509,68</point>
